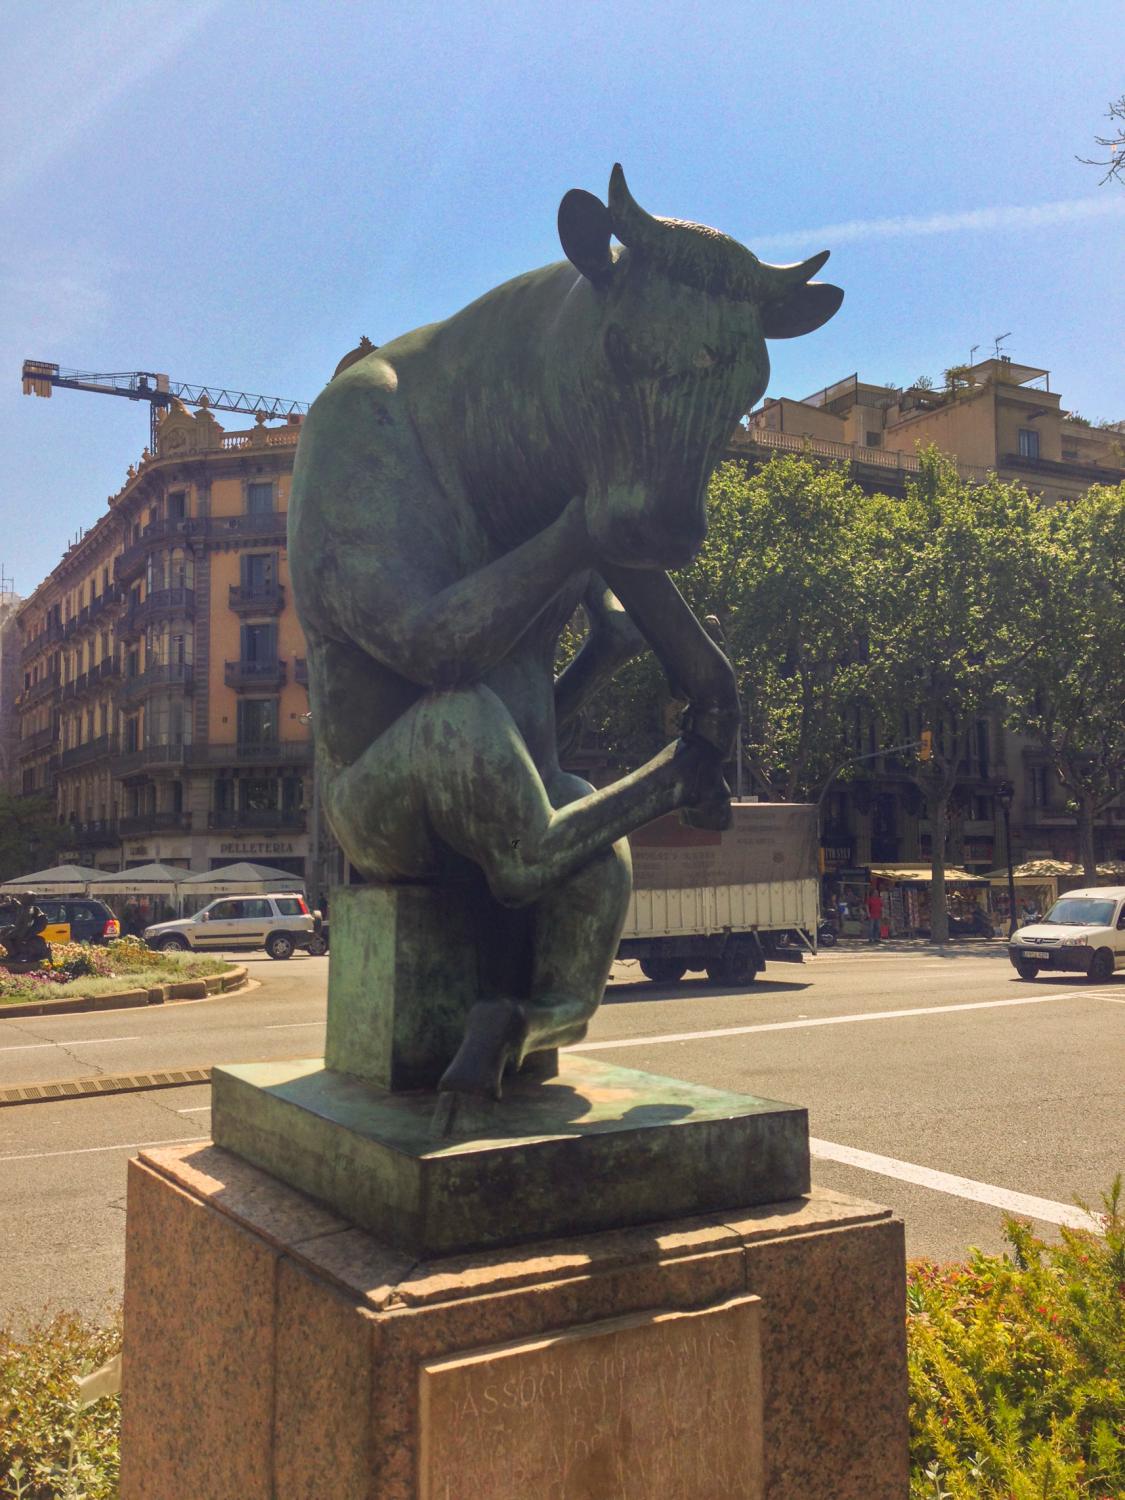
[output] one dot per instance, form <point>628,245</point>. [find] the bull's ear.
<point>801,310</point>
<point>584,230</point>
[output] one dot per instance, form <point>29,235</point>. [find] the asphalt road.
<point>936,1083</point>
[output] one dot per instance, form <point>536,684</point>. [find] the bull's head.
<point>678,320</point>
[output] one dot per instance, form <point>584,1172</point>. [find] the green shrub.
<point>50,1448</point>
<point>1017,1369</point>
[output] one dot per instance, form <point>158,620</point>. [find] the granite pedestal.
<point>274,1351</point>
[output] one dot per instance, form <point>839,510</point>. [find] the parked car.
<point>279,923</point>
<point>1083,931</point>
<point>77,919</point>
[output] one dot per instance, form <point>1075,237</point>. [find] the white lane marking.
<point>877,1015</point>
<point>292,1025</point>
<point>176,1140</point>
<point>1045,1209</point>
<point>196,1109</point>
<point>88,1041</point>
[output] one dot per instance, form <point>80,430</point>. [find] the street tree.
<point>1113,145</point>
<point>30,836</point>
<point>778,570</point>
<point>1066,687</point>
<point>946,577</point>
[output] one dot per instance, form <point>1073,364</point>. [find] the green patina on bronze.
<point>598,1147</point>
<point>456,494</point>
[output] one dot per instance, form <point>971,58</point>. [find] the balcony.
<point>40,740</point>
<point>261,753</point>
<point>301,670</point>
<point>155,822</point>
<point>80,755</point>
<point>105,670</point>
<point>131,562</point>
<point>250,675</point>
<point>155,606</point>
<point>99,833</point>
<point>264,599</point>
<point>102,602</point>
<point>264,526</point>
<point>49,636</point>
<point>290,819</point>
<point>46,687</point>
<point>170,674</point>
<point>133,762</point>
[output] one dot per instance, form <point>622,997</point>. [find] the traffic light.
<point>926,745</point>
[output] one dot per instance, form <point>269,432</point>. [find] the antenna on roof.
<point>972,351</point>
<point>999,340</point>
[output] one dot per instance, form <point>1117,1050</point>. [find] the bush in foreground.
<point>92,969</point>
<point>50,1447</point>
<point>1017,1369</point>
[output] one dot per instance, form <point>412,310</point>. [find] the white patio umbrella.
<point>242,879</point>
<point>145,880</point>
<point>59,880</point>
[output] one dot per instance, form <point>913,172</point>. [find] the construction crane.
<point>40,378</point>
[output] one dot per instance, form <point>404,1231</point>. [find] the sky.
<point>234,192</point>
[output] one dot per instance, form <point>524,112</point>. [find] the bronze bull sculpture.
<point>457,493</point>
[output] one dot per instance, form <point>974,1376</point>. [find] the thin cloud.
<point>1012,217</point>
<point>71,64</point>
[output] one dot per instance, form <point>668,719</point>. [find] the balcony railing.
<point>292,819</point>
<point>177,601</point>
<point>254,674</point>
<point>266,526</point>
<point>105,670</point>
<point>98,833</point>
<point>44,688</point>
<point>167,674</point>
<point>129,762</point>
<point>50,635</point>
<point>262,599</point>
<point>881,458</point>
<point>132,561</point>
<point>257,752</point>
<point>32,743</point>
<point>80,755</point>
<point>155,822</point>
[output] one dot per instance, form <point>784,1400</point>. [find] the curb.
<point>178,989</point>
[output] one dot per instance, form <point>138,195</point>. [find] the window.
<point>259,571</point>
<point>177,505</point>
<point>259,643</point>
<point>258,908</point>
<point>1029,442</point>
<point>259,499</point>
<point>132,738</point>
<point>224,911</point>
<point>1040,786</point>
<point>874,439</point>
<point>257,722</point>
<point>259,793</point>
<point>291,906</point>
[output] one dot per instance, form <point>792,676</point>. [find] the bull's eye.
<point>704,359</point>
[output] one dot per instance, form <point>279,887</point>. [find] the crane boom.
<point>40,377</point>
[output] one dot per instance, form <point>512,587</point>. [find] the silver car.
<point>278,923</point>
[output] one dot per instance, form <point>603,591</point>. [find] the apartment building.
<point>995,416</point>
<point>164,699</point>
<point>992,417</point>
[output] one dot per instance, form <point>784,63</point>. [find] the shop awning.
<point>922,875</point>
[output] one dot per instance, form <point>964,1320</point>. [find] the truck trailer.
<point>724,902</point>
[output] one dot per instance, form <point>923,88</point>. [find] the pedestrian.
<point>874,916</point>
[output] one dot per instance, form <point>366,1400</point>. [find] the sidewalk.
<point>977,946</point>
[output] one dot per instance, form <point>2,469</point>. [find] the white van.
<point>1084,930</point>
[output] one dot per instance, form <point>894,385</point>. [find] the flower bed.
<point>84,968</point>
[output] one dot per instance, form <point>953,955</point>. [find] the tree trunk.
<point>1086,840</point>
<point>939,916</point>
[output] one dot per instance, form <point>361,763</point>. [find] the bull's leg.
<point>577,930</point>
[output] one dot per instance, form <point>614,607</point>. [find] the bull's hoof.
<point>494,1030</point>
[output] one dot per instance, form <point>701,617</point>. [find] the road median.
<point>228,982</point>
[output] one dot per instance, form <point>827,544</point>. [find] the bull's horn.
<point>631,224</point>
<point>797,275</point>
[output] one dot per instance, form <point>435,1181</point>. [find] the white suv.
<point>1084,930</point>
<point>279,923</point>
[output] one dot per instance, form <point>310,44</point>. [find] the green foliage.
<point>84,968</point>
<point>30,835</point>
<point>50,1447</point>
<point>1017,1369</point>
<point>1066,684</point>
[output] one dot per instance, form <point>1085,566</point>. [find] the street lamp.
<point>1004,794</point>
